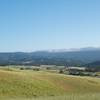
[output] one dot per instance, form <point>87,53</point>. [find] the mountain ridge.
<point>73,58</point>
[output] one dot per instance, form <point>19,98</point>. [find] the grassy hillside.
<point>32,84</point>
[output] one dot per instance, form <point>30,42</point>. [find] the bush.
<point>21,68</point>
<point>61,71</point>
<point>36,69</point>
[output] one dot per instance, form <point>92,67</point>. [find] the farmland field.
<point>41,85</point>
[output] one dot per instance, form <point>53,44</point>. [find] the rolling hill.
<point>94,65</point>
<point>71,58</point>
<point>31,84</point>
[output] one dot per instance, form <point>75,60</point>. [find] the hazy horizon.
<point>34,25</point>
<point>56,50</point>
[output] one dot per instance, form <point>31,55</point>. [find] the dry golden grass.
<point>33,84</point>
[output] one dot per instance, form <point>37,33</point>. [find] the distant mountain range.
<point>72,57</point>
<point>75,49</point>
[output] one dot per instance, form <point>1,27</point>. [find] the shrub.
<point>61,71</point>
<point>21,68</point>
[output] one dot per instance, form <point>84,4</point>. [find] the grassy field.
<point>41,85</point>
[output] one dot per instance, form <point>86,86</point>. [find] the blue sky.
<point>28,25</point>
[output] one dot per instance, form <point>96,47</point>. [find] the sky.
<point>30,25</point>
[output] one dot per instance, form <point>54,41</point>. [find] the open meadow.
<point>18,84</point>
